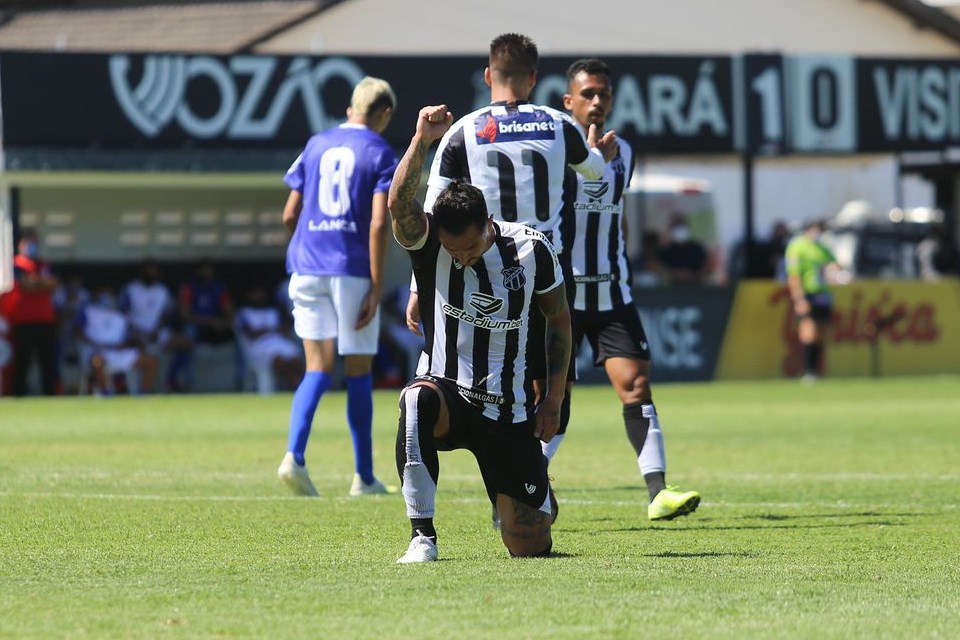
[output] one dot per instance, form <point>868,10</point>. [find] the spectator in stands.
<point>765,260</point>
<point>68,300</point>
<point>29,307</point>
<point>683,260</point>
<point>206,312</point>
<point>150,310</point>
<point>647,265</point>
<point>108,348</point>
<point>267,350</point>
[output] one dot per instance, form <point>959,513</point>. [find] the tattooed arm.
<point>409,220</point>
<point>559,338</point>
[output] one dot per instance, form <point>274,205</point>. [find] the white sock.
<point>652,457</point>
<point>419,489</point>
<point>550,448</point>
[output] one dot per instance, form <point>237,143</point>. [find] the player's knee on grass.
<point>525,530</point>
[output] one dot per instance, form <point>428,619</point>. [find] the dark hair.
<point>513,55</point>
<point>819,223</point>
<point>458,207</point>
<point>27,233</point>
<point>590,66</point>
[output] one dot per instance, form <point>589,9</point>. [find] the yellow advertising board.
<point>919,331</point>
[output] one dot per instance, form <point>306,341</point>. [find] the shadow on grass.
<point>698,527</point>
<point>777,517</point>
<point>701,554</point>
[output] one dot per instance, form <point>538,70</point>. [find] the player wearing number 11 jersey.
<point>337,215</point>
<point>515,152</point>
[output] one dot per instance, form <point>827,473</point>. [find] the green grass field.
<point>829,511</point>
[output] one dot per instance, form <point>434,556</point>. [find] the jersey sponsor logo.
<point>245,86</point>
<point>487,305</point>
<point>531,488</point>
<point>514,278</point>
<point>514,126</point>
<point>482,321</point>
<point>596,206</point>
<point>596,189</point>
<point>600,277</point>
<point>475,395</point>
<point>344,226</point>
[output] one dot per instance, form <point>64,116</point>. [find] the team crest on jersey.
<point>596,189</point>
<point>514,278</point>
<point>618,166</point>
<point>513,126</point>
<point>485,304</point>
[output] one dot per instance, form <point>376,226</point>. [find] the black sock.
<point>423,527</point>
<point>656,482</point>
<point>817,358</point>
<point>636,425</point>
<point>810,357</point>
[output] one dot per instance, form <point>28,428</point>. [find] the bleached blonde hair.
<point>371,94</point>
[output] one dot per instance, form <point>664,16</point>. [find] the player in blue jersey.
<point>337,215</point>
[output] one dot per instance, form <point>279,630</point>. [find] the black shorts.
<point>537,335</point>
<point>509,456</point>
<point>821,307</point>
<point>617,333</point>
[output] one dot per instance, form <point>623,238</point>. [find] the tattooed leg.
<point>524,529</point>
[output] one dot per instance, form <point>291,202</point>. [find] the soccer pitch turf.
<point>829,511</point>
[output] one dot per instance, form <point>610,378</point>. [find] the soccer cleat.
<point>360,488</point>
<point>421,549</point>
<point>671,503</point>
<point>296,477</point>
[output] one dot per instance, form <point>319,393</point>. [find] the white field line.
<point>442,499</point>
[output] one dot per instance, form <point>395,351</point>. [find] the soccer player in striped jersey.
<point>516,153</point>
<point>603,309</point>
<point>336,214</point>
<point>481,282</point>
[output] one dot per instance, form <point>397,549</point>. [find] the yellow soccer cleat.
<point>671,503</point>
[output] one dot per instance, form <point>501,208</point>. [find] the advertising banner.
<point>685,327</point>
<point>184,101</point>
<point>877,328</point>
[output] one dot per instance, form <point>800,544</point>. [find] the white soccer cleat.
<point>296,477</point>
<point>360,488</point>
<point>421,549</point>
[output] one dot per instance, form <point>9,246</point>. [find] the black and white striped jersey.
<point>476,319</point>
<point>601,271</point>
<point>516,154</point>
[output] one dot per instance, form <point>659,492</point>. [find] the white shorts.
<point>115,360</point>
<point>327,307</point>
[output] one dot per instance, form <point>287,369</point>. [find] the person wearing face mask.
<point>29,307</point>
<point>682,259</point>
<point>809,265</point>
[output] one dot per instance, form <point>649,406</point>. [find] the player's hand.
<point>607,145</point>
<point>433,122</point>
<point>368,309</point>
<point>801,307</point>
<point>548,419</point>
<point>412,314</point>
